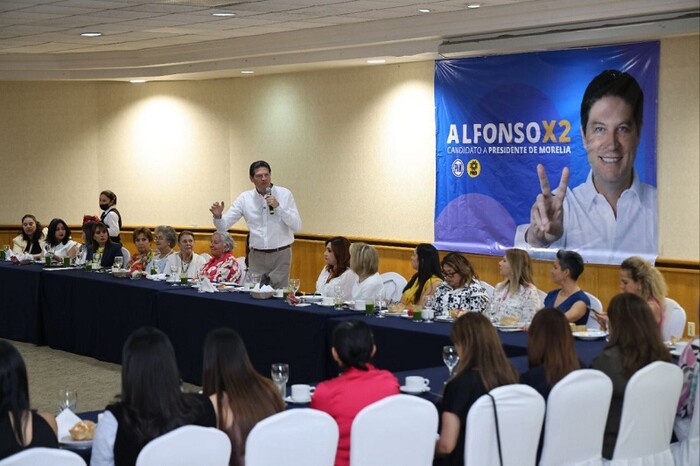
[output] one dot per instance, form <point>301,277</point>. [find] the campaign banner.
<point>499,117</point>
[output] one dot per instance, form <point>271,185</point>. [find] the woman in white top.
<point>516,299</point>
<point>364,261</point>
<point>58,241</point>
<point>166,238</point>
<point>337,271</point>
<point>186,261</point>
<point>30,239</point>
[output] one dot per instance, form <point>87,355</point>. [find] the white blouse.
<point>346,281</point>
<point>60,250</point>
<point>368,289</point>
<point>192,269</point>
<point>523,304</point>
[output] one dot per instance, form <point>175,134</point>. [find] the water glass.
<point>338,297</point>
<point>294,284</point>
<point>119,262</point>
<point>450,357</point>
<point>67,399</point>
<point>173,275</point>
<point>255,279</point>
<point>280,375</point>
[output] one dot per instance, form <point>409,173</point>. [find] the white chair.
<point>399,429</point>
<point>393,286</point>
<point>185,446</point>
<point>520,414</point>
<point>687,451</point>
<point>127,255</point>
<point>42,457</point>
<point>579,442</point>
<point>489,288</point>
<point>242,267</point>
<point>649,408</point>
<point>543,294</point>
<point>597,306</point>
<point>301,437</point>
<point>674,319</point>
<point>206,256</point>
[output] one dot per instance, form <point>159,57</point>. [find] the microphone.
<point>268,192</point>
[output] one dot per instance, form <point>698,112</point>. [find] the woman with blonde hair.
<point>641,278</point>
<point>482,366</point>
<point>364,261</point>
<point>516,299</point>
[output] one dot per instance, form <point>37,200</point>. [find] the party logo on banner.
<point>499,117</point>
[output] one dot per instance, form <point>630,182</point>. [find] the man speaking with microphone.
<point>272,218</point>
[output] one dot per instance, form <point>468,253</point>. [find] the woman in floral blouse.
<point>222,267</point>
<point>142,240</point>
<point>516,299</point>
<point>461,288</point>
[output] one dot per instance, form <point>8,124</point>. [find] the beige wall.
<point>356,146</point>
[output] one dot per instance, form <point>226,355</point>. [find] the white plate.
<point>413,392</point>
<point>396,314</point>
<point>590,334</point>
<point>245,290</point>
<point>312,298</point>
<point>303,305</point>
<point>67,440</point>
<point>444,319</point>
<point>289,399</point>
<point>507,327</point>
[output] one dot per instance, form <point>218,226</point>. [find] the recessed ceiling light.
<point>473,5</point>
<point>137,81</point>
<point>376,61</point>
<point>247,72</point>
<point>223,14</point>
<point>424,10</point>
<point>91,34</point>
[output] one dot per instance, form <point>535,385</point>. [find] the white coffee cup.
<point>360,305</point>
<point>279,293</point>
<point>416,383</point>
<point>428,313</point>
<point>327,301</point>
<point>301,393</point>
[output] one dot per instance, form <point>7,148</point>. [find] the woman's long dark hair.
<point>428,266</point>
<point>98,226</point>
<point>32,246</point>
<point>228,374</point>
<point>51,236</point>
<point>551,345</point>
<point>14,389</point>
<point>341,250</point>
<point>152,400</point>
<point>633,329</point>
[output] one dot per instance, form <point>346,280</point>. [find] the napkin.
<point>65,421</point>
<point>158,277</point>
<point>263,289</point>
<point>205,286</point>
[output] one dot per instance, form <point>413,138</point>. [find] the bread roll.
<point>83,430</point>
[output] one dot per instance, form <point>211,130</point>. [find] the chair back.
<point>127,255</point>
<point>393,286</point>
<point>43,456</point>
<point>648,412</point>
<point>674,319</point>
<point>597,306</point>
<point>185,446</point>
<point>542,295</point>
<point>573,431</point>
<point>687,451</point>
<point>488,287</point>
<point>301,437</point>
<point>242,268</point>
<point>520,414</point>
<point>400,427</point>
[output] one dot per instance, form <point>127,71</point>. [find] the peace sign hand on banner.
<point>547,213</point>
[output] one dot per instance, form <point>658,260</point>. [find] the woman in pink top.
<point>359,385</point>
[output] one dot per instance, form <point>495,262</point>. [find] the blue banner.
<point>498,117</point>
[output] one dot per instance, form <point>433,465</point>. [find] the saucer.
<point>405,389</point>
<point>289,399</point>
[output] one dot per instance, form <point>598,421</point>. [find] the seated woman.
<point>364,261</point>
<point>689,362</point>
<point>569,299</point>
<point>103,246</point>
<point>186,261</point>
<point>337,272</point>
<point>635,341</point>
<point>482,366</point>
<point>241,397</point>
<point>58,241</point>
<point>516,299</point>
<point>359,385</point>
<point>20,427</point>
<point>151,401</point>
<point>222,267</point>
<point>551,353</point>
<point>641,278</point>
<point>142,238</point>
<point>166,238</point>
<point>461,288</point>
<point>426,262</point>
<point>31,238</point>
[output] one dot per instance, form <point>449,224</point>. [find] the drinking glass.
<point>67,399</point>
<point>450,357</point>
<point>338,297</point>
<point>378,303</point>
<point>119,262</point>
<point>294,284</point>
<point>255,279</point>
<point>173,275</point>
<point>280,375</point>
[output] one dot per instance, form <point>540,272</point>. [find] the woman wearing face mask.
<point>31,238</point>
<point>110,215</point>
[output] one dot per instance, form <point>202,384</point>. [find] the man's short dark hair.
<point>259,164</point>
<point>613,83</point>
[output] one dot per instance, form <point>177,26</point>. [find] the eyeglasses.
<point>447,274</point>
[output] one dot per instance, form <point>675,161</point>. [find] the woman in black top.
<point>101,244</point>
<point>20,428</point>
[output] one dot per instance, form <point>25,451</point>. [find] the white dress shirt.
<point>60,250</point>
<point>591,228</point>
<point>112,221</point>
<point>266,231</point>
<point>368,289</point>
<point>192,269</point>
<point>346,281</point>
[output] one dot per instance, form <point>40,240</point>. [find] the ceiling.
<point>181,39</point>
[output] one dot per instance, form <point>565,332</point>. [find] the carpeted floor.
<point>51,370</point>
